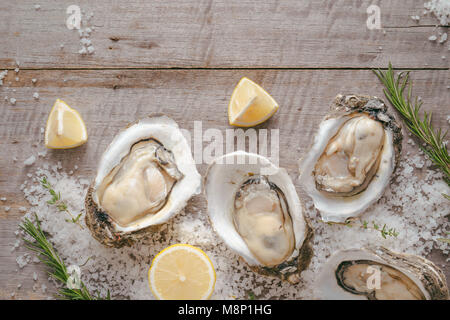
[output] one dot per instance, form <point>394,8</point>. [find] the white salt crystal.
<point>7,209</point>
<point>13,101</point>
<point>90,49</point>
<point>37,7</point>
<point>30,161</point>
<point>443,38</point>
<point>36,95</point>
<point>17,78</point>
<point>22,209</point>
<point>16,70</point>
<point>3,199</point>
<point>34,80</point>
<point>35,277</point>
<point>82,51</point>
<point>432,38</point>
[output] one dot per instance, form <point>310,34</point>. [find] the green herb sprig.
<point>57,269</point>
<point>58,203</point>
<point>433,140</point>
<point>385,231</point>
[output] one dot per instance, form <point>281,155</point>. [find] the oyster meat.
<point>377,273</point>
<point>258,214</point>
<point>146,176</point>
<point>352,157</point>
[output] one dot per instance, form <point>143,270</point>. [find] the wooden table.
<point>183,58</point>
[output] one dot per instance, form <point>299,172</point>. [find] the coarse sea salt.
<point>413,204</point>
<point>29,161</point>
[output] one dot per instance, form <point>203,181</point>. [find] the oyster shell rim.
<point>303,252</point>
<point>103,227</point>
<point>433,285</point>
<point>342,108</point>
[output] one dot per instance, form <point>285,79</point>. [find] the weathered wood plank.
<point>224,33</point>
<point>108,100</point>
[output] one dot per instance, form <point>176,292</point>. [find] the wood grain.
<point>221,33</point>
<point>109,99</point>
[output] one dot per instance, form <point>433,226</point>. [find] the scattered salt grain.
<point>16,70</point>
<point>3,199</point>
<point>432,38</point>
<point>17,78</point>
<point>35,277</point>
<point>7,209</point>
<point>13,101</point>
<point>42,153</point>
<point>440,9</point>
<point>2,76</point>
<point>43,288</point>
<point>22,209</point>
<point>443,38</point>
<point>424,218</point>
<point>34,80</point>
<point>19,286</point>
<point>37,7</point>
<point>90,49</point>
<point>36,96</point>
<point>30,161</point>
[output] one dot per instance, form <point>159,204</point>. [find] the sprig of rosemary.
<point>57,269</point>
<point>433,140</point>
<point>58,203</point>
<point>385,231</point>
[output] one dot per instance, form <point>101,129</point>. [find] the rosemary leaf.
<point>57,269</point>
<point>433,140</point>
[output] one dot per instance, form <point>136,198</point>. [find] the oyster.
<point>144,177</point>
<point>254,207</point>
<point>379,274</point>
<point>352,158</point>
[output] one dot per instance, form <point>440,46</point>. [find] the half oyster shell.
<point>377,273</point>
<point>352,157</point>
<point>254,207</point>
<point>144,178</point>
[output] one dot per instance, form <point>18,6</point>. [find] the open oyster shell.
<point>402,276</point>
<point>254,207</point>
<point>352,157</point>
<point>145,177</point>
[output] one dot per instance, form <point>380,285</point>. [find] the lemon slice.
<point>182,272</point>
<point>65,127</point>
<point>250,104</point>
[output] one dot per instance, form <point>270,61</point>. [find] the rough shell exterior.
<point>429,278</point>
<point>102,228</point>
<point>432,278</point>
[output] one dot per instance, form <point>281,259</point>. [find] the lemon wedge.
<point>250,104</point>
<point>65,127</point>
<point>182,272</point>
